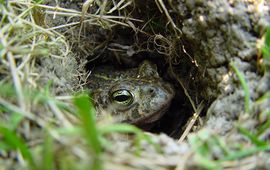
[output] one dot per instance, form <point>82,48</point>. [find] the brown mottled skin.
<point>137,96</point>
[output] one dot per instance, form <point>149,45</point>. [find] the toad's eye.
<point>123,97</point>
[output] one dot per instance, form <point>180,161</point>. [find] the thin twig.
<point>16,80</point>
<point>160,2</point>
<point>59,114</point>
<point>191,123</point>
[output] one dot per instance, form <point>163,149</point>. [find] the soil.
<point>214,36</point>
<point>228,33</point>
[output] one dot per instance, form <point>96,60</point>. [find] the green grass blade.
<point>86,112</point>
<point>7,90</point>
<point>1,49</point>
<point>264,127</point>
<point>2,2</point>
<point>243,82</point>
<point>245,152</point>
<point>38,1</point>
<point>48,157</point>
<point>267,37</point>
<point>208,164</point>
<point>123,128</point>
<point>266,52</point>
<point>13,141</point>
<point>15,120</point>
<point>5,146</point>
<point>265,96</point>
<point>266,49</point>
<point>253,138</point>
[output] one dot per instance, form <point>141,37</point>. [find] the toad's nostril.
<point>151,91</point>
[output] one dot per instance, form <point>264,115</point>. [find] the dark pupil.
<point>121,98</point>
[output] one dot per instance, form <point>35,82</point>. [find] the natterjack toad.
<point>138,96</point>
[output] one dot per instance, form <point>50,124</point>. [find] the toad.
<point>137,96</point>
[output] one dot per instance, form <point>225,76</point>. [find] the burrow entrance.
<point>182,74</point>
<point>145,33</point>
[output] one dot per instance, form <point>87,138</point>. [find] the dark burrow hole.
<point>125,48</point>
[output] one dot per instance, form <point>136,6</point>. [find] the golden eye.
<point>123,97</point>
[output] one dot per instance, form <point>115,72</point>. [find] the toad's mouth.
<point>149,118</point>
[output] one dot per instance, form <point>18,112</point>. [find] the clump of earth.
<point>228,33</point>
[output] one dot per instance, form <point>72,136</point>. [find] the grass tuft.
<point>244,84</point>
